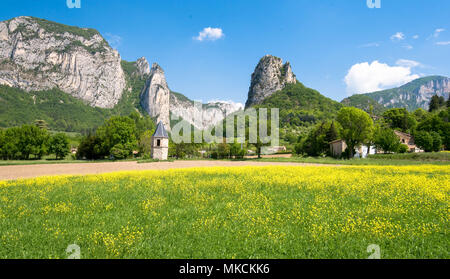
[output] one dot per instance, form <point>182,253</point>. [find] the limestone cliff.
<point>202,116</point>
<point>413,95</point>
<point>143,67</point>
<point>37,54</point>
<point>155,96</point>
<point>270,75</point>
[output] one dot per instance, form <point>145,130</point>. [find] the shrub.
<point>437,141</point>
<point>145,143</point>
<point>424,140</point>
<point>387,140</point>
<point>91,148</point>
<point>298,149</point>
<point>223,151</point>
<point>214,155</point>
<point>120,152</point>
<point>402,148</point>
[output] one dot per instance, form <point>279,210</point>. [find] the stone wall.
<point>160,152</point>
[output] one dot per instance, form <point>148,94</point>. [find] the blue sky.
<point>333,45</point>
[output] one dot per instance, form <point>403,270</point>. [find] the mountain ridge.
<point>412,95</point>
<point>39,55</point>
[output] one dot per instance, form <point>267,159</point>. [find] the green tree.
<point>32,141</point>
<point>420,114</point>
<point>356,128</point>
<point>437,123</point>
<point>298,148</point>
<point>121,151</point>
<point>403,148</point>
<point>9,146</point>
<point>179,150</point>
<point>437,141</point>
<point>384,138</point>
<point>236,151</point>
<point>91,148</point>
<point>436,103</point>
<point>2,142</point>
<point>291,137</point>
<point>118,130</point>
<point>143,124</point>
<point>223,150</point>
<point>317,143</point>
<point>424,140</point>
<point>332,133</point>
<point>441,101</point>
<point>145,143</point>
<point>400,119</point>
<point>59,145</point>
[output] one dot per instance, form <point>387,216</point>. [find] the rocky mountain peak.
<point>143,67</point>
<point>270,75</point>
<point>211,113</point>
<point>413,95</point>
<point>155,97</point>
<point>37,54</point>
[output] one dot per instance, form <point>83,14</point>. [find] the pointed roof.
<point>160,131</point>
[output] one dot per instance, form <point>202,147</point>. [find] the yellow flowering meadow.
<point>245,212</point>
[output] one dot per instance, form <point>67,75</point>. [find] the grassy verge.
<point>432,156</point>
<point>53,161</point>
<point>246,212</point>
<point>441,158</point>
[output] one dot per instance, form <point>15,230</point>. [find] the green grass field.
<point>245,212</point>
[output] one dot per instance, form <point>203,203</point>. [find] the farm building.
<point>338,147</point>
<point>408,140</point>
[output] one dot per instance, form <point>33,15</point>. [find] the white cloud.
<point>443,43</point>
<point>399,36</point>
<point>370,45</point>
<point>408,47</point>
<point>114,40</point>
<point>365,77</point>
<point>209,34</point>
<point>437,32</point>
<point>415,37</point>
<point>408,63</point>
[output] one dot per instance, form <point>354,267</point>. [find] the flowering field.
<point>246,212</point>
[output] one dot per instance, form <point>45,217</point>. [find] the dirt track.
<point>28,171</point>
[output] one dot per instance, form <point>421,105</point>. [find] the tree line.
<point>430,129</point>
<point>118,138</point>
<point>32,142</point>
<point>122,137</point>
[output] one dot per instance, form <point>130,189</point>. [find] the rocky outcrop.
<point>159,102</point>
<point>201,116</point>
<point>143,67</point>
<point>413,95</point>
<point>440,87</point>
<point>155,97</point>
<point>36,54</point>
<point>270,75</point>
